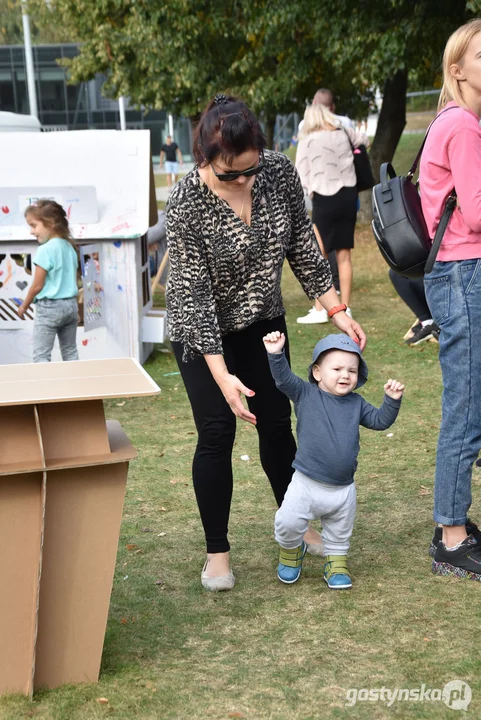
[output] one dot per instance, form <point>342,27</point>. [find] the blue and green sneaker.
<point>290,564</point>
<point>336,573</point>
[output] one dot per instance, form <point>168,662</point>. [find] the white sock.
<point>450,549</point>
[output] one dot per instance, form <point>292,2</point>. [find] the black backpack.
<point>399,226</point>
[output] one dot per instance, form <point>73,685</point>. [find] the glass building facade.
<point>76,107</point>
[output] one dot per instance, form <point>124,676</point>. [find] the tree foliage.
<point>178,53</point>
<point>11,27</point>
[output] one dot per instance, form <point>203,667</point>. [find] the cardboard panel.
<point>20,448</point>
<point>82,525</point>
<point>116,164</point>
<point>81,380</point>
<point>154,326</point>
<point>72,430</point>
<point>121,450</point>
<point>79,202</point>
<point>20,552</point>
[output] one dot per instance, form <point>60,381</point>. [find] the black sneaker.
<point>435,331</point>
<point>464,562</point>
<point>422,333</point>
<point>471,529</point>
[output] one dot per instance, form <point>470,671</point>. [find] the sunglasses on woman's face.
<point>229,176</point>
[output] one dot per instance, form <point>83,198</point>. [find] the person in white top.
<point>317,314</point>
<point>325,163</point>
<point>325,97</point>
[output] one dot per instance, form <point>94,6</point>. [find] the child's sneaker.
<point>290,564</point>
<point>336,573</point>
<point>464,562</point>
<point>471,529</point>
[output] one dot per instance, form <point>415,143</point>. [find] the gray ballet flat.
<point>218,583</point>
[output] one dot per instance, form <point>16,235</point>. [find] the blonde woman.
<point>325,163</point>
<point>452,159</point>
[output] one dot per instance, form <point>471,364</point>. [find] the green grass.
<point>406,151</point>
<point>267,651</point>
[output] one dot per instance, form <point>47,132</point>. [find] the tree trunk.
<point>270,123</point>
<point>390,126</point>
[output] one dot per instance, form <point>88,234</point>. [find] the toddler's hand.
<point>274,341</point>
<point>394,389</point>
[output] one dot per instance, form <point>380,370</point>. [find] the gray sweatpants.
<point>307,499</point>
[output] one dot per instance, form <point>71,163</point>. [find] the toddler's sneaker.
<point>336,573</point>
<point>290,564</point>
<point>464,562</point>
<point>471,529</point>
<point>313,316</point>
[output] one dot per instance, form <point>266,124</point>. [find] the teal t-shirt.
<point>59,259</point>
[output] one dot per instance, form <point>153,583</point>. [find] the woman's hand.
<point>341,320</point>
<point>232,388</point>
<point>349,326</point>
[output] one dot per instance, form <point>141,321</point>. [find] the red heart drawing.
<point>5,209</point>
<point>85,342</point>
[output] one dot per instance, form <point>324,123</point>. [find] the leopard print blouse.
<point>225,275</point>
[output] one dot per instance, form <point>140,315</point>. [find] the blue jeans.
<point>453,292</point>
<point>55,317</point>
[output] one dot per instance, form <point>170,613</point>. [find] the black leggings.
<point>246,357</point>
<point>332,260</point>
<point>412,292</point>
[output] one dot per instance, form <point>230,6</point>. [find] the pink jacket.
<point>452,158</point>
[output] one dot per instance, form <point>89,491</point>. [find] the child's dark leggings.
<point>246,357</point>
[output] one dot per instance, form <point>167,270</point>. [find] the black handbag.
<point>362,166</point>
<point>399,226</point>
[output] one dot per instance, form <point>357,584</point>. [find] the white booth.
<point>104,180</point>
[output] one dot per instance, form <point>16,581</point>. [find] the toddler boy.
<point>328,417</point>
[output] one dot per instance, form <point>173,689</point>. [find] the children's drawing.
<point>15,278</point>
<point>93,286</point>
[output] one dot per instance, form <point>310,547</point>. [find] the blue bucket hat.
<point>338,342</point>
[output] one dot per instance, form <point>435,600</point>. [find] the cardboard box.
<point>154,326</point>
<point>107,189</point>
<point>63,471</point>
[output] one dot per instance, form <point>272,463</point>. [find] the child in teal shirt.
<point>54,289</point>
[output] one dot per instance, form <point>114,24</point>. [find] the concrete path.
<point>162,193</point>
